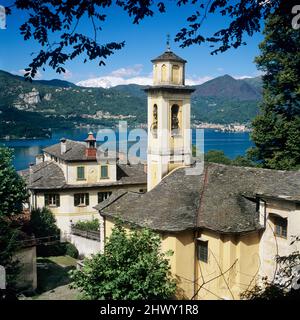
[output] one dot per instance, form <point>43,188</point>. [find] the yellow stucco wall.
<point>236,257</point>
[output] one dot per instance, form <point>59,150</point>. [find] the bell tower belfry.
<point>169,108</point>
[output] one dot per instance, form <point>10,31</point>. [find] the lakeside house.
<point>68,179</point>
<point>225,225</point>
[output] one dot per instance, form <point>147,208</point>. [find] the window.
<point>80,173</point>
<point>104,172</point>
<point>163,73</point>
<point>174,118</point>
<point>175,74</point>
<point>280,225</point>
<point>103,196</point>
<point>52,200</point>
<point>154,122</point>
<point>202,250</point>
<point>81,199</point>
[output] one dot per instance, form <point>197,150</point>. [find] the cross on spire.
<point>168,42</point>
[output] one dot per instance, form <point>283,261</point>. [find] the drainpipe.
<point>196,235</point>
<point>102,233</point>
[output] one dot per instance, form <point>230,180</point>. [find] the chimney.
<point>91,149</point>
<point>31,167</point>
<point>63,145</point>
<point>30,172</point>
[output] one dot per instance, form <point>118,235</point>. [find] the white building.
<point>68,179</point>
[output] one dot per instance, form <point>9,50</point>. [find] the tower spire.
<point>168,43</point>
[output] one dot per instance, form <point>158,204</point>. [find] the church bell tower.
<point>169,108</point>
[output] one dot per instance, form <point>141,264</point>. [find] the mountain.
<point>226,87</point>
<point>61,104</point>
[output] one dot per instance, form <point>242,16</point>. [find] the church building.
<point>225,225</point>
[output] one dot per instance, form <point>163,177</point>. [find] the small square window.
<point>202,250</point>
<point>52,200</point>
<point>280,226</point>
<point>81,199</point>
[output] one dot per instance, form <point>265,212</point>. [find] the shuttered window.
<point>81,199</point>
<point>104,172</point>
<point>80,173</point>
<point>103,196</point>
<point>52,200</point>
<point>202,250</point>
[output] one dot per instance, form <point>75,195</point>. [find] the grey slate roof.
<point>45,175</point>
<point>168,56</point>
<point>222,198</point>
<point>75,151</point>
<point>48,175</point>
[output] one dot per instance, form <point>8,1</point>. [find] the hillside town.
<point>212,220</point>
<point>150,189</point>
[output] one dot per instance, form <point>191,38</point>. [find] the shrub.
<point>71,250</point>
<point>131,267</point>
<point>88,225</point>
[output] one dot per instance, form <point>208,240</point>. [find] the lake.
<point>233,144</point>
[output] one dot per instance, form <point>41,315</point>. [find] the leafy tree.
<point>277,127</point>
<point>43,224</point>
<point>12,195</point>
<point>216,156</point>
<point>62,18</point>
<point>241,161</point>
<point>131,267</point>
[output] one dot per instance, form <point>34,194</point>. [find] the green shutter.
<point>57,199</point>
<point>46,199</point>
<point>80,173</point>
<point>76,200</point>
<point>87,199</point>
<point>100,197</point>
<point>104,171</point>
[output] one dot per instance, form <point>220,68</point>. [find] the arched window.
<point>154,72</point>
<point>174,119</point>
<point>163,73</point>
<point>175,74</point>
<point>154,121</point>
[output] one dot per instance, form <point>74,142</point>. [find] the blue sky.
<point>143,42</point>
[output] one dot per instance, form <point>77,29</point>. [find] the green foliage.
<point>276,129</point>
<point>67,104</point>
<point>131,267</point>
<point>88,225</point>
<point>71,250</point>
<point>12,195</point>
<point>8,247</point>
<point>241,161</point>
<point>54,27</point>
<point>13,191</point>
<point>218,156</point>
<point>43,223</point>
